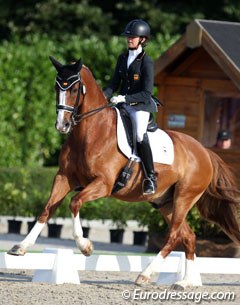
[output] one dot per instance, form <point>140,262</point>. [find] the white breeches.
<point>141,119</point>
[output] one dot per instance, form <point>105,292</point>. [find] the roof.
<point>220,39</point>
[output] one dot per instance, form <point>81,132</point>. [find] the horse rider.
<point>134,75</point>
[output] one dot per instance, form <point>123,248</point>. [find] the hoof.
<point>142,280</point>
<point>17,251</point>
<point>177,287</point>
<point>181,285</point>
<point>88,250</point>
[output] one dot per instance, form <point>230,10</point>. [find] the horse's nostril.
<point>66,124</point>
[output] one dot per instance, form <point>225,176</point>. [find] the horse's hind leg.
<point>191,277</point>
<point>186,237</point>
<point>59,190</point>
<point>179,232</point>
<point>145,277</point>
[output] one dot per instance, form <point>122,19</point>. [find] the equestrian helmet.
<point>137,28</point>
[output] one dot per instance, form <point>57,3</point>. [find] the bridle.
<point>63,86</point>
<point>75,117</point>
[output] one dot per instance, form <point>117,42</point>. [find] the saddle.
<point>130,130</point>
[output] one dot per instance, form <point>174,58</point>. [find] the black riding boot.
<point>145,153</point>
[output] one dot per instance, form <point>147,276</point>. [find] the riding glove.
<point>118,99</point>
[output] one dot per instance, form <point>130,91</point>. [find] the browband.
<point>65,84</point>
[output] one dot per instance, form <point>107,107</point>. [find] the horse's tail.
<point>219,203</point>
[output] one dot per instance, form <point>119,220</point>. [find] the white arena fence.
<point>62,265</point>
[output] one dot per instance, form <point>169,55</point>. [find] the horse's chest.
<point>85,168</point>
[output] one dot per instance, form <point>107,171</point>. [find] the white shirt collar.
<point>132,54</point>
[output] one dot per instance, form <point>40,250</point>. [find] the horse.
<point>90,158</point>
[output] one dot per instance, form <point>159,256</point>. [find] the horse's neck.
<point>94,97</point>
<point>98,125</point>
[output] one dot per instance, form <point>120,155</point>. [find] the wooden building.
<point>198,80</point>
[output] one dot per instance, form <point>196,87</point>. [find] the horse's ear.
<point>78,65</point>
<point>56,64</point>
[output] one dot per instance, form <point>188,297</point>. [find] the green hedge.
<point>24,192</point>
<point>27,95</point>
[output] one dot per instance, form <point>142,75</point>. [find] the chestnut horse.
<point>90,158</point>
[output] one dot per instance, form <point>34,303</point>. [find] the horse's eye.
<point>74,90</point>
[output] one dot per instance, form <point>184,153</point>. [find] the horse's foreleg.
<point>59,190</point>
<point>29,240</point>
<point>94,190</point>
<point>84,244</point>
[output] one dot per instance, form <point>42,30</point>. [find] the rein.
<point>88,114</point>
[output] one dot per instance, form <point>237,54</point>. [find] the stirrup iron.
<point>151,185</point>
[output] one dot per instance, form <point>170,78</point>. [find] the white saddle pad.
<point>161,144</point>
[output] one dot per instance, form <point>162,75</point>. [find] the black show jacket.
<point>135,82</point>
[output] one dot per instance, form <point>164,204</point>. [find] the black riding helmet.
<point>137,28</point>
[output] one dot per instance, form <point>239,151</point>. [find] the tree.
<point>61,18</point>
<point>170,17</point>
<point>57,18</point>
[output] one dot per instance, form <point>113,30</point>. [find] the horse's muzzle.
<point>64,127</point>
